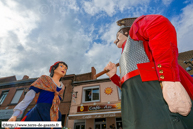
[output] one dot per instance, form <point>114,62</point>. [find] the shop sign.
<point>99,116</point>
<point>95,116</point>
<point>98,107</point>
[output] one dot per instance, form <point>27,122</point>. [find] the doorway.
<point>79,126</point>
<point>119,123</point>
<point>100,123</point>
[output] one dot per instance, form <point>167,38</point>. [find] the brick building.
<point>188,57</point>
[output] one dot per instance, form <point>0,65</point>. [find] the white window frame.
<point>87,88</point>
<point>17,98</point>
<point>2,95</point>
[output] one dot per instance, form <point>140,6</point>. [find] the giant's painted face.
<point>61,70</point>
<point>121,38</point>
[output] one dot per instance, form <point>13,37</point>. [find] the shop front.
<point>6,114</point>
<point>102,116</point>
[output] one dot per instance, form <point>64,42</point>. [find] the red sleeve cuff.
<point>115,79</point>
<point>167,73</point>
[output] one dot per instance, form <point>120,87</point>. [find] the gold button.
<point>159,65</point>
<point>161,71</point>
<point>162,76</point>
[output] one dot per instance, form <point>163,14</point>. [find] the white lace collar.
<point>61,84</point>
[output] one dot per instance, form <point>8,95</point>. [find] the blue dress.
<point>41,111</point>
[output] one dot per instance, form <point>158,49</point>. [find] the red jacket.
<point>160,44</point>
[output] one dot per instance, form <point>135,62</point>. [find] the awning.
<point>94,115</point>
<point>7,113</point>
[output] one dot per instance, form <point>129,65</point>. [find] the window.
<point>91,94</point>
<point>63,119</point>
<point>119,92</point>
<point>119,123</point>
<point>3,96</point>
<point>79,126</point>
<point>100,123</point>
<point>17,96</point>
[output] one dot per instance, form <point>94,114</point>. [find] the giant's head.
<point>59,69</point>
<point>123,32</point>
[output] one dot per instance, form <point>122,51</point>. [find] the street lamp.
<point>74,94</point>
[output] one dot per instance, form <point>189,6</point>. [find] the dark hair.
<point>123,30</point>
<point>55,67</point>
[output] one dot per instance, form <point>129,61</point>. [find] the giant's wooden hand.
<point>113,69</point>
<point>176,97</point>
<point>13,118</point>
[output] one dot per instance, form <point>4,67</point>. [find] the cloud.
<point>19,22</point>
<point>15,26</point>
<point>110,32</point>
<point>187,1</point>
<point>102,53</point>
<point>46,34</point>
<point>167,2</point>
<point>32,40</point>
<point>184,27</point>
<point>95,6</point>
<point>110,7</point>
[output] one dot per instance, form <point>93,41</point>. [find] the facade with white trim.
<point>95,104</point>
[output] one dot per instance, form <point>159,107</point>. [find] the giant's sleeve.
<point>160,36</point>
<point>115,79</point>
<point>24,103</point>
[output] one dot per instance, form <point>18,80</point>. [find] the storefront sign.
<point>99,116</point>
<point>90,116</point>
<point>98,107</point>
<point>6,114</point>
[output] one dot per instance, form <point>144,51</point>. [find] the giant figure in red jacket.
<point>157,93</point>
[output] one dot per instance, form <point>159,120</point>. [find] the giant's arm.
<point>112,73</point>
<point>24,103</point>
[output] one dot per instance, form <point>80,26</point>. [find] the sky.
<point>34,34</point>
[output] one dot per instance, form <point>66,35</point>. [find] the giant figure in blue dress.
<point>47,91</point>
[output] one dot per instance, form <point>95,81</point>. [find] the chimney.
<point>25,77</point>
<point>93,72</point>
